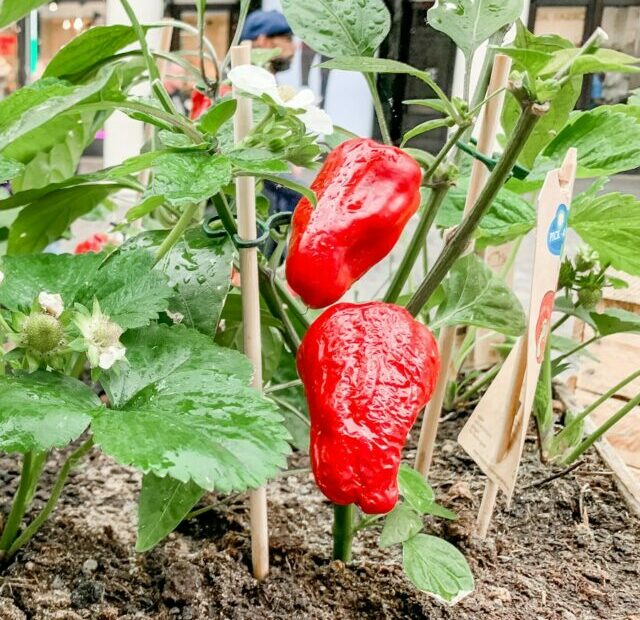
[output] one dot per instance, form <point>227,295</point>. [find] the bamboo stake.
<point>246,202</point>
<point>479,174</point>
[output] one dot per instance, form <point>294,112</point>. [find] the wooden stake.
<point>246,203</point>
<point>479,174</point>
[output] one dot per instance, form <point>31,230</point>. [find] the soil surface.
<point>567,549</point>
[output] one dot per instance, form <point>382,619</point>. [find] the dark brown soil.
<point>565,550</point>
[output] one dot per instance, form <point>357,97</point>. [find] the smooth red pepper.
<point>200,103</point>
<point>367,192</point>
<point>367,369</point>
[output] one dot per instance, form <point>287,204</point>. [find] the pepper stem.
<point>342,532</point>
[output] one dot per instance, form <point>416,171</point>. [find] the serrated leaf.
<point>615,321</point>
<point>436,567</point>
<point>474,295</point>
<point>610,224</point>
<point>129,290</point>
<point>471,22</point>
<point>339,27</point>
<point>89,49</point>
<point>199,271</point>
<point>607,140</point>
<point>43,410</point>
<point>163,504</point>
<point>158,351</point>
<point>508,217</point>
<point>399,525</point>
<point>188,178</point>
<point>46,219</point>
<point>217,115</point>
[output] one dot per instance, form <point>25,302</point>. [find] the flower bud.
<point>42,333</point>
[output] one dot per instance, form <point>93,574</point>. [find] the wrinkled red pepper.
<point>95,243</point>
<point>367,369</point>
<point>367,192</point>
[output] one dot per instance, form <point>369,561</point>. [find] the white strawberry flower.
<point>257,81</point>
<point>51,303</point>
<point>102,338</point>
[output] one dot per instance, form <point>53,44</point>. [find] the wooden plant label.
<point>494,434</point>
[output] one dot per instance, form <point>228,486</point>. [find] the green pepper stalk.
<point>343,530</point>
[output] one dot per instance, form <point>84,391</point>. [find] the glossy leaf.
<point>436,567</point>
<point>508,217</point>
<point>415,489</point>
<point>199,271</point>
<point>164,503</point>
<point>418,130</point>
<point>400,524</point>
<point>89,49</point>
<point>217,115</point>
<point>610,224</point>
<point>474,295</point>
<point>13,10</point>
<point>339,27</point>
<point>607,140</point>
<point>9,169</point>
<point>187,178</point>
<point>258,161</point>
<point>47,219</point>
<point>43,410</point>
<point>471,22</point>
<point>158,351</point>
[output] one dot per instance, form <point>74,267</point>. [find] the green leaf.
<point>474,295</point>
<point>88,50</point>
<point>415,489</point>
<point>339,27</point>
<point>400,524</point>
<point>174,140</point>
<point>217,115</point>
<point>508,217</point>
<point>296,187</point>
<point>187,178</point>
<point>565,345</point>
<point>46,219</point>
<point>9,169</point>
<point>616,321</point>
<point>257,161</point>
<point>610,224</point>
<point>471,22</point>
<point>43,410</point>
<point>607,140</point>
<point>436,567</point>
<point>13,10</point>
<point>164,503</point>
<point>130,291</point>
<point>198,423</point>
<point>600,61</point>
<point>386,65</point>
<point>144,208</point>
<point>199,271</point>
<point>430,125</point>
<point>26,276</point>
<point>158,351</point>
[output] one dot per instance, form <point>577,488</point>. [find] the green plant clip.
<point>518,172</point>
<point>213,228</point>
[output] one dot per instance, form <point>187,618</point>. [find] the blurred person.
<point>270,30</point>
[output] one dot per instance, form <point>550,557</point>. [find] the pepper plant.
<point>136,351</point>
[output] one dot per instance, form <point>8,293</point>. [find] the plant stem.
<point>444,151</point>
<point>270,297</point>
<point>595,404</point>
<point>342,532</point>
<point>488,377</point>
<point>244,10</point>
<point>601,430</point>
<point>573,351</point>
<point>561,321</point>
<point>226,216</point>
<point>178,230</point>
<point>152,68</point>
<point>291,303</point>
<point>19,505</point>
<point>377,106</point>
<point>37,523</point>
<point>419,238</point>
<point>460,239</point>
<point>282,386</point>
<point>285,405</point>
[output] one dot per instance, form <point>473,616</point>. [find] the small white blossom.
<point>257,81</point>
<point>102,338</point>
<point>51,303</point>
<point>176,317</point>
<point>1,277</point>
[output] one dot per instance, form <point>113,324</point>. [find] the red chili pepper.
<point>95,243</point>
<point>367,192</point>
<point>200,103</point>
<point>367,369</point>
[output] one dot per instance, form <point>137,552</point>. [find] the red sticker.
<point>543,325</point>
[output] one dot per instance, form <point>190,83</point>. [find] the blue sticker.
<point>558,230</point>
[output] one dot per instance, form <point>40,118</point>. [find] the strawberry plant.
<point>135,348</point>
